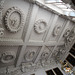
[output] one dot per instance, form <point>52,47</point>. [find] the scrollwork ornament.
<point>57,30</point>
<point>40,26</point>
<point>8,56</point>
<point>14,19</point>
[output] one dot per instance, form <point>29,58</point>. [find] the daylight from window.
<point>66,8</point>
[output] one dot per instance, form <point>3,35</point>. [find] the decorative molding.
<point>29,55</point>
<point>25,68</point>
<point>58,53</point>
<point>14,19</point>
<point>70,38</point>
<point>57,30</point>
<point>55,53</point>
<point>1,32</point>
<point>1,8</point>
<point>67,32</point>
<point>1,4</point>
<point>8,56</point>
<point>40,26</point>
<point>44,6</point>
<point>44,55</point>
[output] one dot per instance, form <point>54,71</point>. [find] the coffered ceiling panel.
<point>41,26</point>
<point>33,34</point>
<point>59,53</point>
<point>57,30</point>
<point>68,29</point>
<point>46,53</point>
<point>31,53</point>
<point>14,21</point>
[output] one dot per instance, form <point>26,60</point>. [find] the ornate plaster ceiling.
<point>32,35</point>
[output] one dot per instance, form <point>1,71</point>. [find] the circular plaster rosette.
<point>8,57</point>
<point>40,26</point>
<point>57,30</point>
<point>30,55</point>
<point>14,19</point>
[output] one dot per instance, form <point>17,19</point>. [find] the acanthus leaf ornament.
<point>40,26</point>
<point>14,19</point>
<point>8,56</point>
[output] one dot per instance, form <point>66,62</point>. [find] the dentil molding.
<point>14,19</point>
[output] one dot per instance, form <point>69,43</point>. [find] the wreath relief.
<point>14,19</point>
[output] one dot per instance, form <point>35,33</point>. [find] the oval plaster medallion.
<point>30,55</point>
<point>8,56</point>
<point>57,30</point>
<point>40,26</point>
<point>14,19</point>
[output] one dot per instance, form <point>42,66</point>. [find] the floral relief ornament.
<point>14,19</point>
<point>40,26</point>
<point>67,32</point>
<point>30,55</point>
<point>70,37</point>
<point>57,30</point>
<point>45,55</point>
